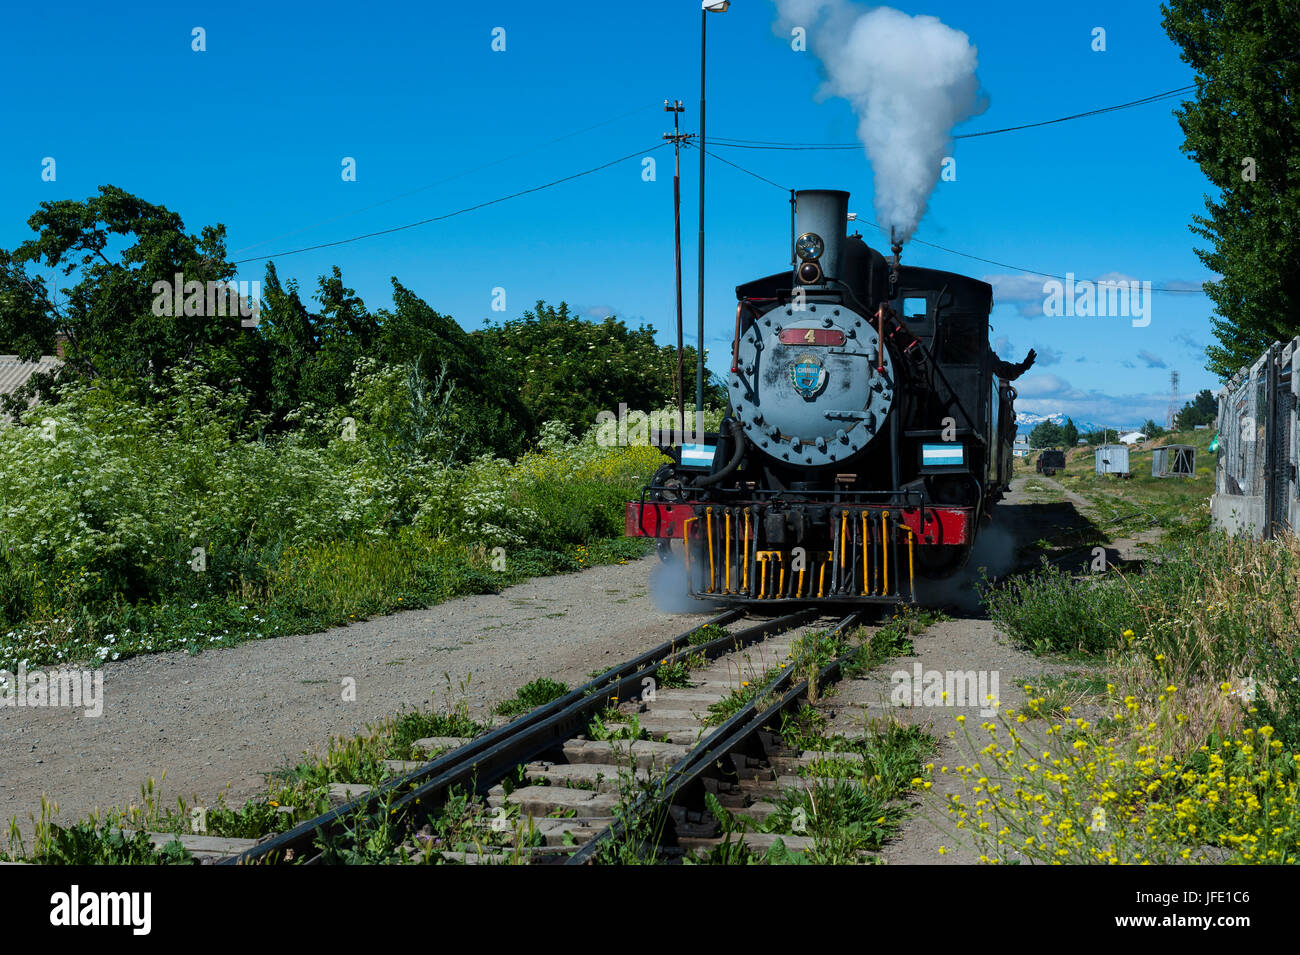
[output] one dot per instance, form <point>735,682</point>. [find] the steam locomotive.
<point>868,431</point>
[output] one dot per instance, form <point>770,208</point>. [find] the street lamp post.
<point>706,7</point>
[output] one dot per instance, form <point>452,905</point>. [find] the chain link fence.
<point>1255,489</point>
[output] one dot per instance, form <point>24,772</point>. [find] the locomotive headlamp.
<point>810,246</point>
<point>810,273</point>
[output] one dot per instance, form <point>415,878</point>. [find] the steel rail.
<point>496,762</point>
<point>731,734</point>
<point>501,749</point>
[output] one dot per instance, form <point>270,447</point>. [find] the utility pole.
<point>677,137</point>
<point>699,359</point>
<point>706,7</point>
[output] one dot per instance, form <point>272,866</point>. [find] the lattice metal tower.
<point>1173,399</point>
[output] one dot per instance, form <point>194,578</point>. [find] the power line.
<point>463,172</point>
<point>943,248</point>
<point>748,172</point>
<point>1020,268</point>
<point>774,144</point>
<point>1144,101</point>
<point>449,215</point>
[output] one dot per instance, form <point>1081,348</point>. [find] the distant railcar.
<point>1049,462</point>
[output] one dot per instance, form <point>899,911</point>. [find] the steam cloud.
<point>993,555</point>
<point>668,588</point>
<point>909,79</point>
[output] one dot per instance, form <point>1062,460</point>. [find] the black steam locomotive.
<point>868,432</point>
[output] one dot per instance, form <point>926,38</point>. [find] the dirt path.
<point>1123,549</point>
<point>218,721</point>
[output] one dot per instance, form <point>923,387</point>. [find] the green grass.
<point>678,675</point>
<point>318,587</point>
<point>855,804</point>
<point>1207,609</point>
<point>706,634</point>
<point>615,725</point>
<point>88,844</point>
<point>414,725</point>
<point>1050,611</point>
<point>1062,693</point>
<point>1143,498</point>
<point>532,695</point>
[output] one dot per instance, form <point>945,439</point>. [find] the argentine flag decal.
<point>697,455</point>
<point>938,455</point>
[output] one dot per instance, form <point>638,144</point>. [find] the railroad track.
<point>581,800</point>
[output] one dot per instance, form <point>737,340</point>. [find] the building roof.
<point>14,373</point>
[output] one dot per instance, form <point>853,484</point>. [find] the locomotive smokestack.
<point>823,213</point>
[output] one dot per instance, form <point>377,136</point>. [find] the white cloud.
<point>1153,361</point>
<point>1026,292</point>
<point>1048,394</point>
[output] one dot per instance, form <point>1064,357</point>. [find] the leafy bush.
<point>1203,611</point>
<point>1049,611</point>
<point>136,520</point>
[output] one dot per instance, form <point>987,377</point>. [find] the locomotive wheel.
<point>667,484</point>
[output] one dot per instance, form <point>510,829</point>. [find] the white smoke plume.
<point>909,79</point>
<point>669,590</point>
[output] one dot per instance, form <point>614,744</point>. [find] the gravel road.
<point>218,721</point>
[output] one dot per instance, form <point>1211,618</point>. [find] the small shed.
<point>1113,459</point>
<point>1173,460</point>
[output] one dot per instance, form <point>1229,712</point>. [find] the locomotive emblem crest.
<point>808,376</point>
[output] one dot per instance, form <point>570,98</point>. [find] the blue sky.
<point>252,134</point>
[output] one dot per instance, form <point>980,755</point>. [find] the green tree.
<point>485,408</point>
<point>342,332</point>
<point>569,369</point>
<point>1203,409</point>
<point>1069,434</point>
<point>1243,128</point>
<point>1046,434</point>
<point>115,247</point>
<point>290,331</point>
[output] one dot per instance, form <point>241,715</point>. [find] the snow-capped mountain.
<point>1026,420</point>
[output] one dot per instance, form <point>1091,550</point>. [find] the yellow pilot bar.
<point>884,550</point>
<point>762,557</point>
<point>844,520</point>
<point>744,563</point>
<point>686,546</point>
<point>780,591</point>
<point>821,579</point>
<point>726,553</point>
<point>866,561</point>
<point>708,522</point>
<point>911,574</point>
